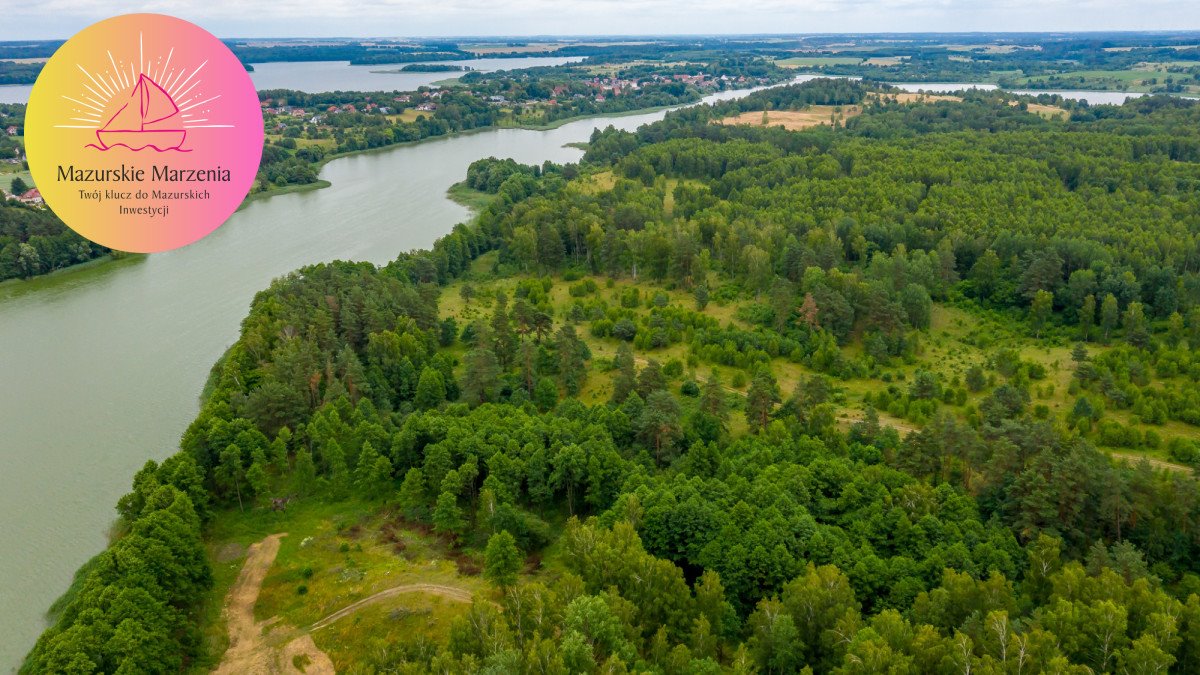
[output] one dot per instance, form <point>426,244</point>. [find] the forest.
<point>881,395</point>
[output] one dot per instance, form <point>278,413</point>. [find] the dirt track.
<point>251,650</point>
<point>1133,458</point>
<point>450,592</point>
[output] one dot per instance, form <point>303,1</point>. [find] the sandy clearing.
<point>1156,463</point>
<point>449,592</point>
<point>1046,110</point>
<point>251,651</point>
<point>914,97</point>
<point>793,120</point>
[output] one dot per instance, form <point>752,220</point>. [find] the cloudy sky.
<point>28,19</point>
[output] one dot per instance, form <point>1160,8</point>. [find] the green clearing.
<point>817,61</point>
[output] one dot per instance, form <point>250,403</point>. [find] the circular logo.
<point>144,133</point>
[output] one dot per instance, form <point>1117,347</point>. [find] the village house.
<point>298,112</point>
<point>404,98</point>
<point>427,107</point>
<point>32,197</point>
<point>497,98</point>
<point>11,130</point>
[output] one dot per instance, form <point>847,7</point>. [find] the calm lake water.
<point>101,367</point>
<point>340,75</point>
<point>1092,97</point>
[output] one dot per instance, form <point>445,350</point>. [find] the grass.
<point>339,553</point>
<point>469,197</point>
<point>817,61</point>
<point>1125,80</point>
<point>958,338</point>
<point>794,120</point>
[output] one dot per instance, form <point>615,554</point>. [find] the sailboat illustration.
<point>150,119</point>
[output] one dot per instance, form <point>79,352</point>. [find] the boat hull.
<point>161,141</point>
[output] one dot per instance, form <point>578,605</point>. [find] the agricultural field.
<point>794,120</point>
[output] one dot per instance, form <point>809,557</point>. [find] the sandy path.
<point>249,651</point>
<point>1133,458</point>
<point>450,592</point>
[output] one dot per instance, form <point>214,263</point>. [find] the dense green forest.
<point>34,241</point>
<point>617,405</point>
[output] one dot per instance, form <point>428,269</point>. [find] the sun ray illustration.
<point>175,91</point>
<point>108,93</point>
<point>141,106</point>
<point>83,104</point>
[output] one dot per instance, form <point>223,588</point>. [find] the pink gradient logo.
<point>144,133</point>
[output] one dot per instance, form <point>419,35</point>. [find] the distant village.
<point>427,100</point>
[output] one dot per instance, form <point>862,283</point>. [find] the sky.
<point>45,19</point>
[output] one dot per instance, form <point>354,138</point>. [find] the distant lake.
<point>319,76</point>
<point>1092,97</point>
<point>15,93</point>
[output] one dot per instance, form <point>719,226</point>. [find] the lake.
<point>102,366</point>
<point>340,75</point>
<point>1092,97</point>
<point>316,76</point>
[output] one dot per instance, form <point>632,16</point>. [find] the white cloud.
<point>249,18</point>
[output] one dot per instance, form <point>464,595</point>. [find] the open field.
<point>815,61</point>
<point>493,48</point>
<point>342,572</point>
<point>915,97</point>
<point>1047,111</point>
<point>794,120</point>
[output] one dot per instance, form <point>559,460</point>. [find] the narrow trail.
<point>1156,463</point>
<point>449,592</point>
<point>250,651</point>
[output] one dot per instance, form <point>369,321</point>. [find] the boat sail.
<point>149,119</point>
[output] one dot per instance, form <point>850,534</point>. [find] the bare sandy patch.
<point>1047,111</point>
<point>793,120</point>
<point>885,61</point>
<point>252,649</point>
<point>906,97</point>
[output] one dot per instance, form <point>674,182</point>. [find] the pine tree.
<point>625,380</point>
<point>412,495</point>
<point>502,560</point>
<point>713,399</point>
<point>482,376</point>
<point>1109,314</point>
<point>545,396</point>
<point>761,399</point>
<point>335,466</point>
<point>1135,326</point>
<point>660,425</point>
<point>1087,317</point>
<point>229,473</point>
<point>701,296</point>
<point>373,474</point>
<point>504,339</point>
<point>431,389</point>
<point>1040,310</point>
<point>304,473</point>
<point>447,516</point>
<point>256,478</point>
<point>572,360</point>
<point>651,379</point>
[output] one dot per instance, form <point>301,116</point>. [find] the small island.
<point>426,68</point>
